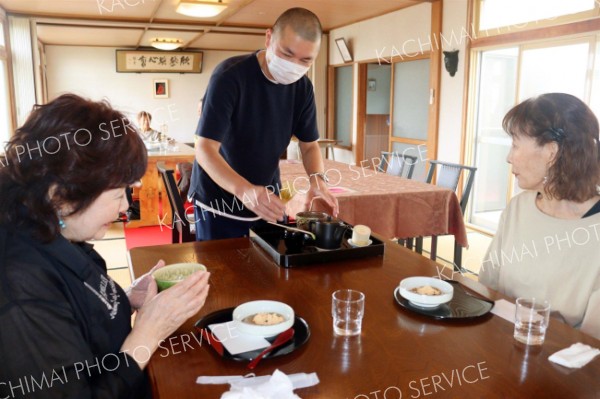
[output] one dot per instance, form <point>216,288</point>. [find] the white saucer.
<point>353,245</point>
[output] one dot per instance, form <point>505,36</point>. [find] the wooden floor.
<point>472,257</point>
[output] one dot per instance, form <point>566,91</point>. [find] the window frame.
<point>557,33</point>
<point>529,25</point>
<point>331,101</point>
<point>5,56</point>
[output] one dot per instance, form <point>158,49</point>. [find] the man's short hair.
<point>302,21</point>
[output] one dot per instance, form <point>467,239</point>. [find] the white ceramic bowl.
<point>426,301</point>
<point>254,307</point>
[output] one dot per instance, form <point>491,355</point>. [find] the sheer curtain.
<point>22,65</point>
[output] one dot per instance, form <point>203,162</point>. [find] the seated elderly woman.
<point>66,325</point>
<point>548,242</point>
<point>144,128</point>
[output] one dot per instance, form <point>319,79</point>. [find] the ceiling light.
<point>166,44</point>
<point>201,8</point>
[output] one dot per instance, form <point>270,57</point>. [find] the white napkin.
<point>234,341</point>
<point>277,386</point>
<point>575,356</point>
<point>504,309</point>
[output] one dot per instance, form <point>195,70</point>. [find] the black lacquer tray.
<point>463,305</point>
<point>301,336</point>
<point>271,239</point>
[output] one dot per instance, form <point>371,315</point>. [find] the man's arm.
<point>313,164</point>
<point>256,198</point>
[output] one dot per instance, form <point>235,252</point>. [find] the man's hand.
<point>318,189</point>
<point>262,201</point>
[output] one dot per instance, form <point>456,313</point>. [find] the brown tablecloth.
<point>391,206</point>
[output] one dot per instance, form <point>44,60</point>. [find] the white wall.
<point>406,31</point>
<point>91,72</point>
<point>402,34</point>
<point>454,30</point>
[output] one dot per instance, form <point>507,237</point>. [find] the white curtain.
<point>22,64</point>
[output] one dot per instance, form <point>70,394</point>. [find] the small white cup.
<point>361,235</point>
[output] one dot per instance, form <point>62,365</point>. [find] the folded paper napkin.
<point>234,341</point>
<point>277,386</point>
<point>575,356</point>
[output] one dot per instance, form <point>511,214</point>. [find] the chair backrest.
<point>448,177</point>
<point>396,162</point>
<point>185,172</point>
<point>180,224</point>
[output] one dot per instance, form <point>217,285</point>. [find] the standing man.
<point>252,107</point>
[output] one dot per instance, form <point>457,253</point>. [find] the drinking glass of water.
<point>532,316</point>
<point>347,309</point>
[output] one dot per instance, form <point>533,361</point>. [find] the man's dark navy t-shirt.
<point>254,120</point>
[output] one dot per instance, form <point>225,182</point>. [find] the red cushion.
<point>188,207</point>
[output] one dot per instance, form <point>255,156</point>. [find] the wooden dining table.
<point>391,206</point>
<point>399,353</point>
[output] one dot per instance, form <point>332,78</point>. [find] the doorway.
<point>395,106</point>
<point>377,113</point>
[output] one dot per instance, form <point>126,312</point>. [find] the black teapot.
<point>329,232</point>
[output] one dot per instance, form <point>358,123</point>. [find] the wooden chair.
<point>448,176</point>
<point>180,226</point>
<point>396,162</point>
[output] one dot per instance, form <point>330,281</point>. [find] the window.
<point>497,91</point>
<point>515,69</point>
<point>554,68</point>
<point>503,16</point>
<point>5,106</point>
<point>5,125</point>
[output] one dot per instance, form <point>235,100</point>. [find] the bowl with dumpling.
<point>426,292</point>
<point>263,318</point>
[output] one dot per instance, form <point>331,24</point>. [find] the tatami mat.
<point>114,251</point>
<point>121,276</point>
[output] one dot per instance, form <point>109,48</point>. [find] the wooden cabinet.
<point>153,212</point>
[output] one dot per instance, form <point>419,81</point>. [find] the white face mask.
<point>283,71</point>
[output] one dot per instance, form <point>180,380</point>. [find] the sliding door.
<point>409,132</point>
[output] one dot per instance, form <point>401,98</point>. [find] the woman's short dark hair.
<point>562,118</point>
<point>74,149</point>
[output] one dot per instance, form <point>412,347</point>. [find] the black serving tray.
<point>463,305</point>
<point>270,238</point>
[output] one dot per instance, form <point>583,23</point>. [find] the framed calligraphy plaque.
<point>159,61</point>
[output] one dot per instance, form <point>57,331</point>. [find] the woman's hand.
<point>162,313</point>
<point>138,289</point>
